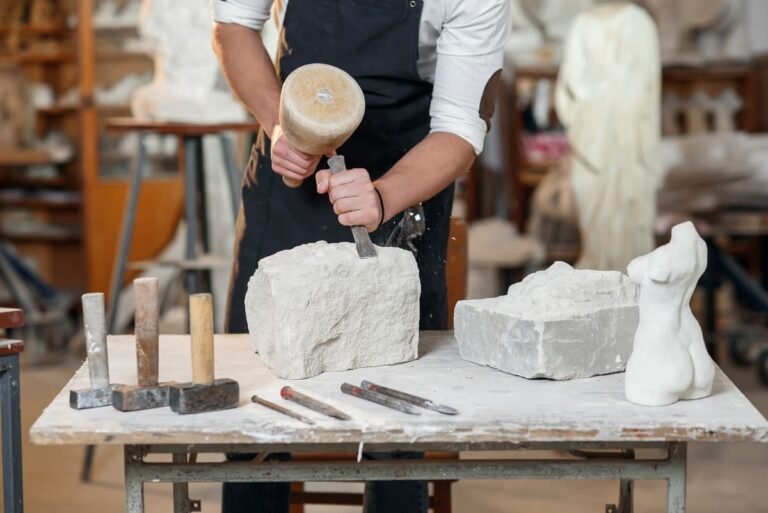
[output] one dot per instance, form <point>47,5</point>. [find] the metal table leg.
<point>190,208</point>
<point>11,426</point>
<point>134,486</point>
<point>231,172</point>
<point>126,235</point>
<point>181,501</point>
<point>678,455</point>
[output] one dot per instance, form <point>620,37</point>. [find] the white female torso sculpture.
<point>187,85</point>
<point>608,98</point>
<point>669,360</point>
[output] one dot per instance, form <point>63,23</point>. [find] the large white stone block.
<point>318,307</point>
<point>560,323</point>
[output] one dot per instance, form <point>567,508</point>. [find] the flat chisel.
<point>413,399</point>
<point>365,248</point>
<point>375,397</point>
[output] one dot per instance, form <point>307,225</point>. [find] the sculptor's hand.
<point>353,197</point>
<point>289,162</point>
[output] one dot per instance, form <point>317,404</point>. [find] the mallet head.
<point>90,398</point>
<point>135,398</point>
<point>222,394</point>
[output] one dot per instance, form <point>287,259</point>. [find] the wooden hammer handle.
<point>147,328</point>
<point>292,183</point>
<point>201,331</point>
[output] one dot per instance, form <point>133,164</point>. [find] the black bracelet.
<point>381,206</point>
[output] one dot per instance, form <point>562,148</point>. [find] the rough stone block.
<point>319,307</point>
<point>558,324</point>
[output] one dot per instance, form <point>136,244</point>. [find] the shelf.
<point>118,55</point>
<point>38,204</point>
<point>24,157</point>
<point>57,110</point>
<point>38,56</point>
<point>23,181</point>
<point>40,238</point>
<point>35,30</point>
<point>63,110</point>
<point>116,29</point>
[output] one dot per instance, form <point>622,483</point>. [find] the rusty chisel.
<point>290,394</point>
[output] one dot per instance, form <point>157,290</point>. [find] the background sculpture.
<point>608,98</point>
<point>669,360</point>
<point>187,86</point>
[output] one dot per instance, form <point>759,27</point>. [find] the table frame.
<point>622,465</point>
<point>10,413</point>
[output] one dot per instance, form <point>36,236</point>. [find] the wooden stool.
<point>10,410</point>
<point>440,500</point>
<point>190,165</point>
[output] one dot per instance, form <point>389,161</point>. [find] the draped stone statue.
<point>187,86</point>
<point>608,99</point>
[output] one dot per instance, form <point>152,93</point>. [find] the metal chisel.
<point>365,248</point>
<point>413,399</point>
<point>285,411</point>
<point>290,394</point>
<point>375,397</point>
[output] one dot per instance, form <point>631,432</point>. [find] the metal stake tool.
<point>285,411</point>
<point>375,397</point>
<point>413,399</point>
<point>290,394</point>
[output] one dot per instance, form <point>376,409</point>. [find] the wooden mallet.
<point>205,393</point>
<point>320,107</point>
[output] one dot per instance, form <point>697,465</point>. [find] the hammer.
<point>320,107</point>
<point>149,393</point>
<point>100,393</point>
<point>205,393</point>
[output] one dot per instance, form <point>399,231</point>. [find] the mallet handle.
<point>201,331</point>
<point>292,183</point>
<point>147,327</point>
<point>96,339</point>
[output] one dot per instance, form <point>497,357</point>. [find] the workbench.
<point>498,412</point>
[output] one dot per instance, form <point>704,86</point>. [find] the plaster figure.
<point>608,98</point>
<point>669,360</point>
<point>187,86</point>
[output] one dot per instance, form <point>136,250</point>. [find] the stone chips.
<point>318,307</point>
<point>559,323</point>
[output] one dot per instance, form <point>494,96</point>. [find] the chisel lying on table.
<point>409,398</point>
<point>375,397</point>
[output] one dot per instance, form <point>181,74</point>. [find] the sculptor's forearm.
<point>249,70</point>
<point>424,171</point>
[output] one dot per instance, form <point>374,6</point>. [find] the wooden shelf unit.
<point>45,53</point>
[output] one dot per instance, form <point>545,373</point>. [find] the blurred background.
<point>79,77</point>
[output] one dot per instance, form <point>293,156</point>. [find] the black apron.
<point>376,42</point>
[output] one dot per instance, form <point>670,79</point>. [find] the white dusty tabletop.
<point>494,406</point>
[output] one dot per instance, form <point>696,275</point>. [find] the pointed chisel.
<point>412,399</point>
<point>290,394</point>
<point>285,411</point>
<point>375,397</point>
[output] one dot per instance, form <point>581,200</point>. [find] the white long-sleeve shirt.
<point>461,46</point>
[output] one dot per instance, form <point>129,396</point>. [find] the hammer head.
<point>135,398</point>
<point>90,398</point>
<point>222,394</point>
